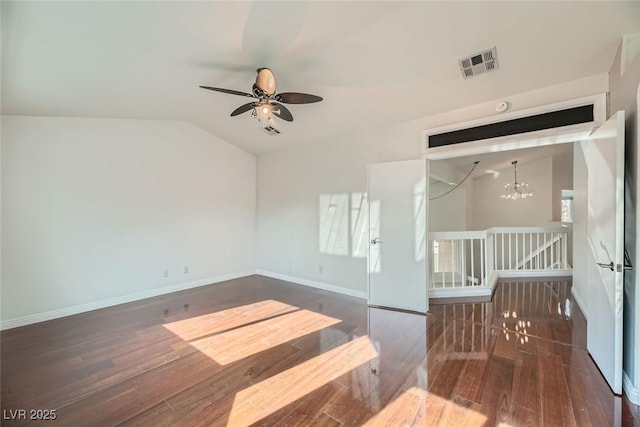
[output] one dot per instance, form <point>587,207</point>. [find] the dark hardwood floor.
<point>261,351</point>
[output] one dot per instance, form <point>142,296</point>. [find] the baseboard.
<point>314,284</point>
<point>467,291</point>
<point>578,299</point>
<point>68,311</point>
<point>534,273</point>
<point>633,393</point>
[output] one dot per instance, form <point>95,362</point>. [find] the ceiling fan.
<point>267,101</point>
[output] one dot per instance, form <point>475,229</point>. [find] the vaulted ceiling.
<point>375,63</point>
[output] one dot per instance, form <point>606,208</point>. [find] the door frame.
<point>558,135</point>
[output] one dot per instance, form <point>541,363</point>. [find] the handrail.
<point>455,235</point>
<point>507,230</point>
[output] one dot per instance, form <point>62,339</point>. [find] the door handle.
<point>375,241</point>
<point>609,266</point>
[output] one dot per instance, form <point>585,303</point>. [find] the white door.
<point>397,235</point>
<point>605,253</point>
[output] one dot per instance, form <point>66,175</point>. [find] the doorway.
<point>598,273</point>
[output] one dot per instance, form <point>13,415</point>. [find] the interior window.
<point>566,206</point>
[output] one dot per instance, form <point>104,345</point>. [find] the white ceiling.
<point>500,161</point>
<point>375,63</point>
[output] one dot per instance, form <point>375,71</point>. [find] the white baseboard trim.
<point>314,284</point>
<point>633,393</point>
<point>492,281</point>
<point>578,299</point>
<point>467,291</point>
<point>68,311</point>
<point>534,273</point>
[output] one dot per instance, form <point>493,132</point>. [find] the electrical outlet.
<point>321,269</point>
<point>186,269</point>
<point>165,273</point>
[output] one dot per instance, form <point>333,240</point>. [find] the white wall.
<point>290,184</point>
<point>562,177</point>
<point>448,213</point>
<point>291,181</point>
<point>580,179</point>
<point>489,210</point>
<point>95,209</point>
<point>624,90</point>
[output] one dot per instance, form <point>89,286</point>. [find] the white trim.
<point>599,102</point>
<point>314,284</point>
<point>581,305</point>
<point>534,273</point>
<point>559,135</point>
<point>468,291</point>
<point>507,230</point>
<point>492,280</point>
<point>109,302</point>
<point>633,393</point>
<point>636,261</point>
<point>457,235</point>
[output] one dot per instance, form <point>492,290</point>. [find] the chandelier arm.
<point>475,164</point>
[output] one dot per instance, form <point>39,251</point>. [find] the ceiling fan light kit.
<point>268,102</point>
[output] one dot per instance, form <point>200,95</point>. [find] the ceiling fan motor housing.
<point>265,83</point>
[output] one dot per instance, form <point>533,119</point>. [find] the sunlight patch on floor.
<point>408,409</point>
<point>260,400</point>
<point>248,340</point>
<point>417,406</point>
<point>212,323</point>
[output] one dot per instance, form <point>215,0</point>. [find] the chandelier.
<point>517,190</point>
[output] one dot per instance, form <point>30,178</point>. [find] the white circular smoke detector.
<point>502,106</point>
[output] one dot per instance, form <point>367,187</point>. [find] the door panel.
<point>605,247</point>
<point>397,244</point>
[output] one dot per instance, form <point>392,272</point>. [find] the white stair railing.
<point>458,258</point>
<point>529,248</point>
<point>471,259</point>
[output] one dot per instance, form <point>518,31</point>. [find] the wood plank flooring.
<point>259,351</point>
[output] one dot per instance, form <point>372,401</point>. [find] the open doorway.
<point>599,147</point>
<point>530,236</point>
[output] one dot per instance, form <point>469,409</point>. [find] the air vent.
<point>479,63</point>
<point>553,119</point>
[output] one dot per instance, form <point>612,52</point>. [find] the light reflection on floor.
<point>254,403</point>
<point>460,365</point>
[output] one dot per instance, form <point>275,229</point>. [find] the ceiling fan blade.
<point>282,112</point>
<point>297,98</point>
<point>243,108</point>
<point>229,91</point>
